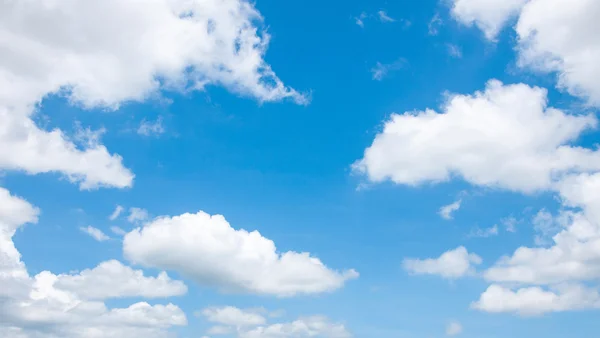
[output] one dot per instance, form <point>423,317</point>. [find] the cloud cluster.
<point>506,137</point>
<point>250,324</point>
<point>71,305</point>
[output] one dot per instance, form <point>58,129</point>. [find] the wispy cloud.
<point>118,210</point>
<point>95,233</point>
<point>447,210</point>
<point>384,17</point>
<point>434,24</point>
<point>454,51</point>
<point>360,20</point>
<point>137,215</point>
<point>484,233</point>
<point>148,128</point>
<point>381,70</point>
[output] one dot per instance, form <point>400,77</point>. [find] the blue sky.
<point>333,158</point>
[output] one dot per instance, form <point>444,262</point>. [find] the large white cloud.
<point>49,305</point>
<point>104,53</point>
<point>451,264</point>
<point>505,137</point>
<point>207,249</point>
<point>554,36</point>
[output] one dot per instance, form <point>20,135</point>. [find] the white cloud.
<point>137,215</point>
<point>453,328</point>
<point>560,36</point>
<point>452,264</point>
<point>381,70</point>
<point>118,210</point>
<point>26,147</point>
<point>384,17</point>
<point>504,137</point>
<point>447,210</point>
<point>314,326</point>
<point>454,50</point>
<point>247,324</point>
<point>148,128</point>
<point>207,249</point>
<point>554,36</point>
<point>489,15</point>
<point>49,305</point>
<point>533,301</point>
<point>112,279</point>
<point>95,233</point>
<point>232,316</point>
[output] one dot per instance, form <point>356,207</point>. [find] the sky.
<point>275,169</point>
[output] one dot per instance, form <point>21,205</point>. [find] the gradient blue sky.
<point>285,170</point>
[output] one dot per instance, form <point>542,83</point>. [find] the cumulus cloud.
<point>112,279</point>
<point>534,301</point>
<point>247,324</point>
<point>452,264</point>
<point>95,233</point>
<point>207,249</point>
<point>504,137</point>
<point>49,305</point>
<point>447,210</point>
<point>489,15</point>
<point>66,48</point>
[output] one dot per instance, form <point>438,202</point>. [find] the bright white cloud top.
<point>452,264</point>
<point>505,136</point>
<point>207,249</point>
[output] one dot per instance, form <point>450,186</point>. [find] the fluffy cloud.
<point>489,15</point>
<point>560,36</point>
<point>66,48</point>
<point>505,137</point>
<point>247,324</point>
<point>49,305</point>
<point>451,264</point>
<point>112,279</point>
<point>534,301</point>
<point>207,249</point>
